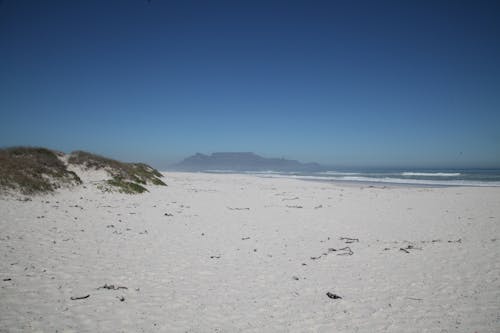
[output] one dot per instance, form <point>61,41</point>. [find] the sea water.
<point>428,177</point>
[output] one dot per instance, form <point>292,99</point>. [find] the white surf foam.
<point>432,174</point>
<point>338,173</point>
<point>391,180</point>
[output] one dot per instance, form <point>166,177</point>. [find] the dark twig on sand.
<point>74,298</point>
<point>288,199</point>
<point>455,241</point>
<point>349,240</point>
<point>409,247</point>
<point>333,296</point>
<point>347,253</point>
<point>111,287</point>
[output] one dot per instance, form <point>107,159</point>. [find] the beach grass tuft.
<point>124,186</point>
<point>33,170</point>
<point>127,177</point>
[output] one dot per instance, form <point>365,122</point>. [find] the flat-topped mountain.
<point>241,161</point>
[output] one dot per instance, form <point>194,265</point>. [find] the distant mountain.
<point>241,162</point>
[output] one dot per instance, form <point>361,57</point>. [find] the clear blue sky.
<point>349,83</point>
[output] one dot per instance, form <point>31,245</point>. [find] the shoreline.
<point>374,183</point>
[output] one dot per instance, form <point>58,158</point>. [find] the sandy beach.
<point>230,253</point>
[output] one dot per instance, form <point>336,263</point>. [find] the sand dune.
<point>229,253</point>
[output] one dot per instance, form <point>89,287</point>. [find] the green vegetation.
<point>126,187</point>
<point>127,177</point>
<point>33,170</point>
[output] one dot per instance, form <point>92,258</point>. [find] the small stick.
<point>347,248</point>
<point>333,296</point>
<point>349,240</point>
<point>316,258</point>
<point>74,298</point>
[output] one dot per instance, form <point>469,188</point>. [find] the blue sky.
<point>346,83</point>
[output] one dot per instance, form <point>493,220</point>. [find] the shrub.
<point>33,170</point>
<point>127,177</point>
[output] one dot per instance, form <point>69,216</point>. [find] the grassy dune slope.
<point>32,170</point>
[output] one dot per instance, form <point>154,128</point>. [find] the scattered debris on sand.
<point>111,287</point>
<point>333,296</point>
<point>347,251</point>
<point>349,240</point>
<point>74,298</point>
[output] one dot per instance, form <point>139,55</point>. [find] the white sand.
<point>195,271</point>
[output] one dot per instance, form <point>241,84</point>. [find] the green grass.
<point>126,187</point>
<point>127,177</point>
<point>33,170</point>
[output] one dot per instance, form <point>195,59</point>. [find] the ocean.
<point>423,177</point>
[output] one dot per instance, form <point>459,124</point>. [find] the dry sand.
<point>229,253</point>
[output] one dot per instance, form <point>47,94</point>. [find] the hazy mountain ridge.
<point>241,161</point>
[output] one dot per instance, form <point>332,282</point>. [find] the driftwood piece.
<point>455,241</point>
<point>74,298</point>
<point>349,240</point>
<point>348,251</point>
<point>409,247</point>
<point>333,296</point>
<point>111,287</point>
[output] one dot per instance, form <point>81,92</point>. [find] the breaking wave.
<point>390,180</point>
<point>431,174</point>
